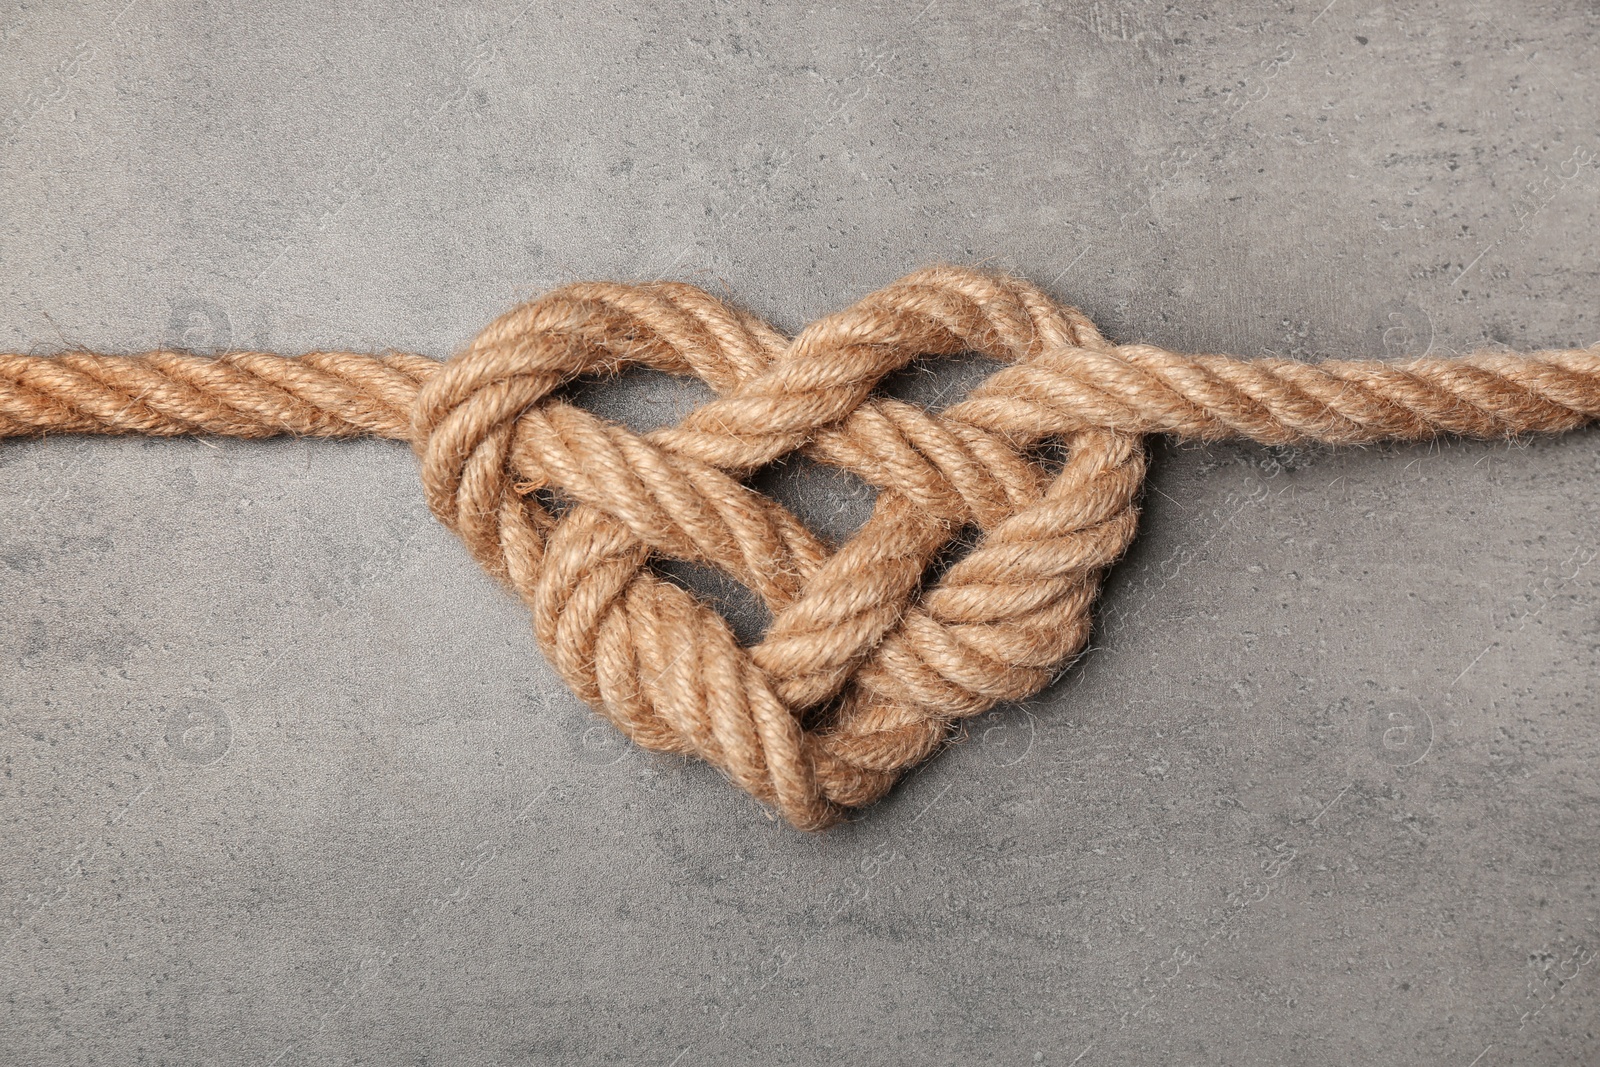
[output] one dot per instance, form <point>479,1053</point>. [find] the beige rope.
<point>863,668</point>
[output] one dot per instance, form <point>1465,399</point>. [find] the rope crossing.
<point>865,665</point>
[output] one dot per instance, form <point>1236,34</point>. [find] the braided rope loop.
<point>862,671</point>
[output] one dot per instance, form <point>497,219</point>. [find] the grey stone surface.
<point>286,780</point>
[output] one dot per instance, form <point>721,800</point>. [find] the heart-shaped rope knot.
<point>862,669</point>
<point>867,661</point>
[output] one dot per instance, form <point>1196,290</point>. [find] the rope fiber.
<point>867,665</point>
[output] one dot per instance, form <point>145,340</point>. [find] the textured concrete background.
<point>286,780</point>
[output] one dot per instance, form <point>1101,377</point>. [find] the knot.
<point>867,663</point>
<point>871,656</point>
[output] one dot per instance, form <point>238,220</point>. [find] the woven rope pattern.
<point>865,666</point>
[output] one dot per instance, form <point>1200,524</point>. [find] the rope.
<point>865,666</point>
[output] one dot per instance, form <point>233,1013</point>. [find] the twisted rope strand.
<point>867,663</point>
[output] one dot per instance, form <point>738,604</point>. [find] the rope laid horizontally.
<point>865,666</point>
